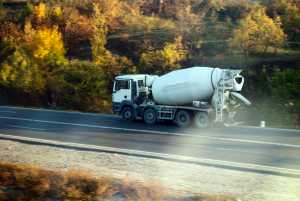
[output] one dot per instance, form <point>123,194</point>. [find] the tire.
<point>201,120</point>
<point>183,118</point>
<point>150,116</point>
<point>127,113</point>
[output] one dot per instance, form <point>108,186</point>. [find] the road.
<point>279,148</point>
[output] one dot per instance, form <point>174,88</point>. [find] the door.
<point>122,91</point>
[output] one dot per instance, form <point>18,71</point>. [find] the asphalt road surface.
<point>279,148</point>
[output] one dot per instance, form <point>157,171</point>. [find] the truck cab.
<point>129,91</point>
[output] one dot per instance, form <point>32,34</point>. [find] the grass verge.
<point>30,183</point>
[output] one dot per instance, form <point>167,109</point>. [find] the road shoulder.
<point>179,177</point>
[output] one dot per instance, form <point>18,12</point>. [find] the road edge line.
<point>56,110</point>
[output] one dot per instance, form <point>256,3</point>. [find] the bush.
<point>24,182</point>
<point>81,86</point>
<point>275,96</point>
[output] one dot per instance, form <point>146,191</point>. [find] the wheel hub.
<point>150,116</point>
<point>183,118</point>
<point>127,114</point>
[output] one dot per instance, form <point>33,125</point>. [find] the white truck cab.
<point>128,91</point>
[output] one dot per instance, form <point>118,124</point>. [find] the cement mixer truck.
<point>197,95</point>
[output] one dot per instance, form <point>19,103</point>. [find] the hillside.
<point>66,53</point>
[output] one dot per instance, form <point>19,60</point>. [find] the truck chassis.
<point>183,116</point>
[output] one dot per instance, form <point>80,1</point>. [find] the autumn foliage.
<point>258,32</point>
<point>66,53</point>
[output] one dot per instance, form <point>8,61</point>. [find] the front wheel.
<point>201,120</point>
<point>150,116</point>
<point>127,113</point>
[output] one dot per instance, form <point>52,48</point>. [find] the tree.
<point>56,11</point>
<point>44,48</point>
<point>111,64</point>
<point>78,31</point>
<point>82,85</point>
<point>10,38</point>
<point>100,30</point>
<point>19,72</point>
<point>258,32</point>
<point>289,12</point>
<point>162,61</point>
<point>190,24</point>
<point>45,45</point>
<point>40,12</point>
<point>281,103</point>
<point>216,35</point>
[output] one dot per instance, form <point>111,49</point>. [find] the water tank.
<point>182,87</point>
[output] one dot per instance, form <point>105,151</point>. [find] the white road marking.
<point>13,112</point>
<point>268,128</point>
<point>56,111</point>
<point>29,128</point>
<point>160,155</point>
<point>154,132</point>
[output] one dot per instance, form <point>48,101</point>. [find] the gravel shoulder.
<point>182,179</point>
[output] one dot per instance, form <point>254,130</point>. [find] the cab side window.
<point>121,84</point>
<point>140,83</point>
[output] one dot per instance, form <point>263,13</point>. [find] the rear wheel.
<point>127,113</point>
<point>201,120</point>
<point>183,118</point>
<point>150,116</point>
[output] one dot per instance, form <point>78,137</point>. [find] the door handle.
<point>125,96</point>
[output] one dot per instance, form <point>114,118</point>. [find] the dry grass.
<point>213,198</point>
<point>29,183</point>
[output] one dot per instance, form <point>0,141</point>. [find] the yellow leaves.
<point>244,33</point>
<point>77,28</point>
<point>161,61</point>
<point>100,29</point>
<point>57,11</point>
<point>19,72</point>
<point>174,52</point>
<point>111,9</point>
<point>99,17</point>
<point>44,42</point>
<point>5,75</point>
<point>40,11</point>
<point>147,23</point>
<point>289,12</point>
<point>257,32</point>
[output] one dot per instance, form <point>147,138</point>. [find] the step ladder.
<point>226,83</point>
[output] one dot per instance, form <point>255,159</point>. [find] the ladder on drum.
<point>225,83</point>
